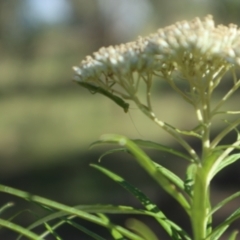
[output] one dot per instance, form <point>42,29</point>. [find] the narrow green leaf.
<point>215,235</point>
<point>160,147</point>
<point>171,228</point>
<point>233,235</point>
<point>133,190</point>
<point>170,176</point>
<point>72,223</point>
<point>52,231</point>
<point>149,167</point>
<point>221,228</point>
<point>167,173</point>
<point>190,179</point>
<point>224,202</point>
<point>109,209</point>
<point>54,227</point>
<point>115,234</point>
<point>6,206</point>
<point>111,152</point>
<point>85,230</point>
<point>141,228</point>
<point>21,230</point>
<point>227,161</point>
<point>68,209</point>
<point>150,145</point>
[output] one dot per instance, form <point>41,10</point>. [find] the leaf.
<point>150,145</point>
<point>68,209</point>
<point>52,231</point>
<point>171,176</point>
<point>224,202</point>
<point>171,228</point>
<point>148,165</point>
<point>227,161</point>
<point>6,206</point>
<point>111,152</point>
<point>109,209</point>
<point>21,230</point>
<point>116,231</point>
<point>115,234</point>
<point>86,231</point>
<point>141,228</point>
<point>233,235</point>
<point>160,147</point>
<point>72,223</point>
<point>167,173</point>
<point>221,228</point>
<point>190,179</point>
<point>65,218</point>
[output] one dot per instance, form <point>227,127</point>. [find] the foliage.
<point>193,58</point>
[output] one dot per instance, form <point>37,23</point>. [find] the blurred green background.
<point>47,121</point>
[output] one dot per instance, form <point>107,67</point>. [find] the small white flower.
<point>196,50</point>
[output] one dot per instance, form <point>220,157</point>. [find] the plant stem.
<point>200,205</point>
<point>168,129</point>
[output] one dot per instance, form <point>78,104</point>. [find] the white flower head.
<point>197,50</point>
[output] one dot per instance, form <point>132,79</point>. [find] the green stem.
<point>227,96</point>
<point>21,230</point>
<point>224,132</point>
<point>168,129</point>
<point>200,205</point>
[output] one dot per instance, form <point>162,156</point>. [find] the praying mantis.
<point>95,89</point>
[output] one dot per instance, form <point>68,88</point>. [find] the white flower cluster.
<point>120,59</point>
<point>196,49</point>
<point>197,35</point>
